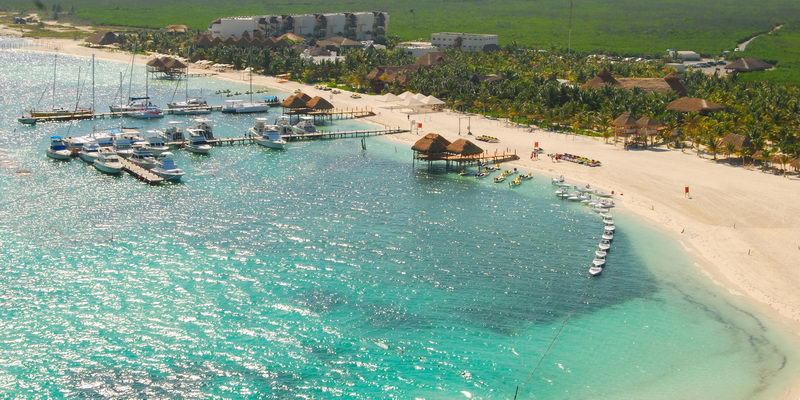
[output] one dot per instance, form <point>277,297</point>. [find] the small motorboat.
<point>108,162</point>
<point>269,135</point>
<point>167,169</point>
<point>156,145</point>
<point>558,180</point>
<point>495,168</point>
<point>598,209</point>
<point>464,172</point>
<point>610,228</point>
<point>89,152</point>
<point>604,245</point>
<point>605,204</point>
<point>560,192</point>
<point>584,189</point>
<point>606,215</point>
<point>602,194</point>
<point>527,176</point>
<point>516,182</point>
<point>599,262</point>
<point>600,254</point>
<point>608,221</point>
<point>58,150</point>
<point>608,236</point>
<point>500,178</point>
<point>197,144</point>
<point>574,197</point>
<point>563,196</point>
<point>144,158</point>
<point>595,270</point>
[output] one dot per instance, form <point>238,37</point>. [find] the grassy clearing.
<point>620,26</point>
<point>783,47</point>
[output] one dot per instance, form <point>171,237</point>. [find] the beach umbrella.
<point>432,101</point>
<point>412,102</point>
<point>406,95</point>
<point>419,96</point>
<point>389,98</point>
<point>691,104</point>
<point>464,147</point>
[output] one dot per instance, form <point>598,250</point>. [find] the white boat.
<point>268,135</point>
<point>604,245</point>
<point>241,107</point>
<point>123,147</point>
<point>560,192</point>
<point>600,254</point>
<point>305,126</point>
<point>203,128</point>
<point>599,262</point>
<point>598,209</point>
<point>558,180</point>
<point>602,194</point>
<point>108,162</point>
<point>191,106</point>
<point>608,221</point>
<point>610,228</point>
<point>58,150</point>
<point>173,133</point>
<point>584,189</point>
<point>167,169</point>
<point>197,143</point>
<point>156,145</point>
<point>608,236</point>
<point>89,152</point>
<point>147,113</point>
<point>606,215</point>
<point>595,270</point>
<point>144,158</point>
<point>574,197</point>
<point>134,103</point>
<point>605,204</point>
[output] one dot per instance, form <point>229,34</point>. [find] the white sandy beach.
<point>741,226</point>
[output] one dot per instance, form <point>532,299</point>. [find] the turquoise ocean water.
<point>326,271</point>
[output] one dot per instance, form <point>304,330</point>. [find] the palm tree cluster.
<point>536,87</point>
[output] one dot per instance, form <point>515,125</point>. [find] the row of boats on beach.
<point>110,150</point>
<point>600,203</point>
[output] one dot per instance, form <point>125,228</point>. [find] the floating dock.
<point>140,173</point>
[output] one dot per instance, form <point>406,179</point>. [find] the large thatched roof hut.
<point>735,141</point>
<point>294,102</point>
<point>603,78</point>
<point>648,126</point>
<point>464,147</point>
<point>748,65</point>
<point>691,104</point>
<point>103,38</point>
<point>318,103</point>
<point>431,143</point>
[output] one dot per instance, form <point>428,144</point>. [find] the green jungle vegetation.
<point>625,27</point>
<point>780,48</point>
<point>765,115</point>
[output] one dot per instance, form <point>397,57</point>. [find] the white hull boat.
<point>108,163</point>
<point>58,150</point>
<point>594,270</point>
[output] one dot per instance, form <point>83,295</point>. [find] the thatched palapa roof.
<point>464,147</point>
<point>648,126</point>
<point>603,78</point>
<point>103,38</point>
<point>748,65</point>
<point>176,29</point>
<point>691,104</point>
<point>625,120</point>
<point>737,141</point>
<point>431,143</point>
<point>338,41</point>
<point>294,102</point>
<point>318,103</point>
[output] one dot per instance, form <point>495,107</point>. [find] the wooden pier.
<point>333,114</point>
<point>140,173</point>
<point>298,137</point>
<point>484,158</point>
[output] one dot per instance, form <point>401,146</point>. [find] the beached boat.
<point>58,150</point>
<point>108,162</point>
<point>610,228</point>
<point>89,152</point>
<point>558,180</point>
<point>197,144</point>
<point>167,169</point>
<point>595,270</point>
<point>608,221</point>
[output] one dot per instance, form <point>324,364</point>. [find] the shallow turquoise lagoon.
<point>327,271</point>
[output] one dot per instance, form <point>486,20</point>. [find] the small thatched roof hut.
<point>318,103</point>
<point>691,104</point>
<point>294,102</point>
<point>648,126</point>
<point>431,143</point>
<point>625,120</point>
<point>156,63</point>
<point>203,42</point>
<point>748,65</point>
<point>103,38</point>
<point>795,163</point>
<point>338,42</point>
<point>171,63</point>
<point>675,83</point>
<point>736,141</point>
<point>603,78</point>
<point>464,147</point>
<point>306,98</point>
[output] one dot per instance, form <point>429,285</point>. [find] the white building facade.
<point>417,49</point>
<point>465,41</point>
<point>355,26</point>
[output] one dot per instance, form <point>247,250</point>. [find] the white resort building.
<point>465,41</point>
<point>355,26</point>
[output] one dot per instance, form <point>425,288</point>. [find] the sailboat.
<point>241,107</point>
<point>190,106</point>
<point>138,107</point>
<point>57,112</point>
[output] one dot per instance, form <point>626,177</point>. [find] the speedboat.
<point>500,178</point>
<point>602,194</point>
<point>89,152</point>
<point>604,245</point>
<point>167,169</point>
<point>527,176</point>
<point>108,162</point>
<point>610,228</point>
<point>606,215</point>
<point>608,221</point>
<point>595,270</point>
<point>268,135</point>
<point>58,150</point>
<point>605,204</point>
<point>197,143</point>
<point>585,189</point>
<point>305,126</point>
<point>574,197</point>
<point>516,182</point>
<point>600,254</point>
<point>608,236</point>
<point>144,158</point>
<point>558,180</point>
<point>123,147</point>
<point>156,145</point>
<point>240,107</point>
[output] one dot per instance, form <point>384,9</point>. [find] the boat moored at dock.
<point>108,162</point>
<point>58,150</point>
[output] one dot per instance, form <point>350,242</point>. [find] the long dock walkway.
<point>483,158</point>
<point>298,137</point>
<point>139,172</point>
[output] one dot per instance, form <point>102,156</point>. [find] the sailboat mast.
<point>78,91</point>
<point>92,83</point>
<point>55,61</point>
<point>130,76</point>
<point>187,85</point>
